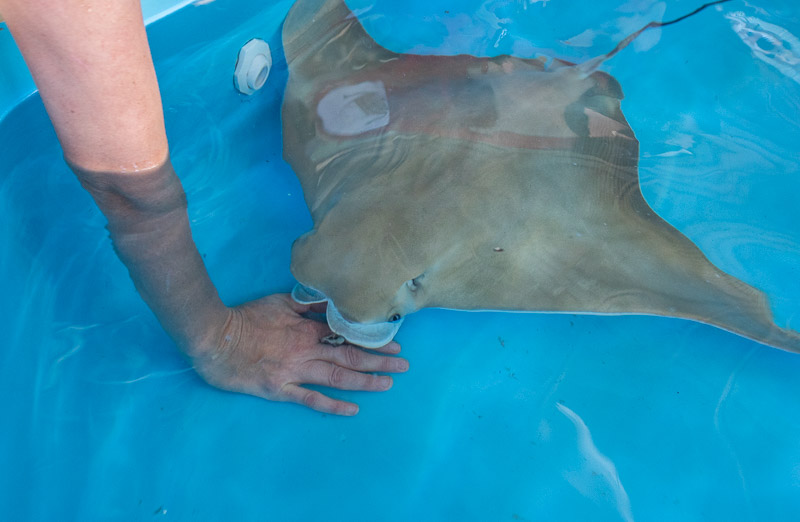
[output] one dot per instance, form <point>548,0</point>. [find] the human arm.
<point>92,64</point>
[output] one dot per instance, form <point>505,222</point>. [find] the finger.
<point>317,401</point>
<point>328,374</point>
<point>349,356</point>
<point>319,308</point>
<point>321,329</point>
<point>392,348</point>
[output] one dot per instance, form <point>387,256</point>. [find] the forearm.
<point>149,227</point>
<point>91,62</point>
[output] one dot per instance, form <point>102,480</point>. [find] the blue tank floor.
<point>501,417</point>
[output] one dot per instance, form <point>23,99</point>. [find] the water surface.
<point>502,416</point>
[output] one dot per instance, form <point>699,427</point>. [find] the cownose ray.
<point>479,184</point>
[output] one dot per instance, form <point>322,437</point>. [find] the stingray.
<point>479,184</point>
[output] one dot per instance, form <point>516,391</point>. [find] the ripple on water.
<point>769,42</point>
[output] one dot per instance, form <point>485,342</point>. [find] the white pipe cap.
<point>252,66</point>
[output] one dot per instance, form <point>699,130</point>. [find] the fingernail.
<point>401,365</point>
<point>351,410</point>
<point>385,382</point>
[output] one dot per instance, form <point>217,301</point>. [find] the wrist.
<point>214,335</point>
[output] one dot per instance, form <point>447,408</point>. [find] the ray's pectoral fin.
<point>322,38</point>
<point>657,270</point>
<point>711,296</point>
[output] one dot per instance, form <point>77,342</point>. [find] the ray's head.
<point>364,269</point>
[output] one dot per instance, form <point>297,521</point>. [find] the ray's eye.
<point>394,318</point>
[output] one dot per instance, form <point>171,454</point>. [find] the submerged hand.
<point>269,350</point>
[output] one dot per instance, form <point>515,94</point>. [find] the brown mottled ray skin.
<point>497,184</point>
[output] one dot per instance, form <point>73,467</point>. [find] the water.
<point>502,416</point>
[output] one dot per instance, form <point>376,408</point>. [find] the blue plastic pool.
<point>502,416</point>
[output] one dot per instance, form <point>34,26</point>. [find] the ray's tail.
<point>590,66</point>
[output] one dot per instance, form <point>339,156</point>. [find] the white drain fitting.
<point>252,66</point>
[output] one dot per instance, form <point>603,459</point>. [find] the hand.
<point>269,350</point>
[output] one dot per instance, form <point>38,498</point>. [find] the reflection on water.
<point>597,467</point>
<point>770,43</point>
<point>696,422</point>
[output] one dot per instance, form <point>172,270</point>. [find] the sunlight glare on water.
<point>502,416</point>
